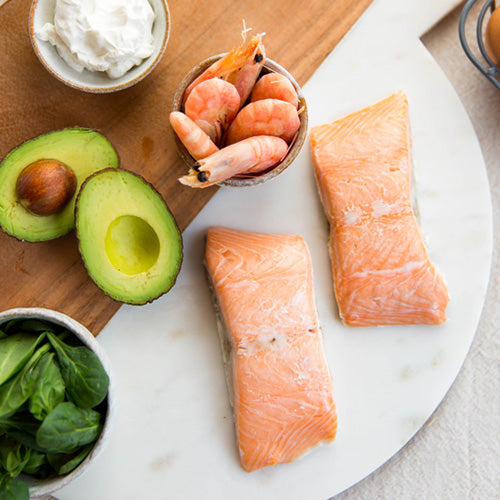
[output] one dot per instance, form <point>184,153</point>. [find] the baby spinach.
<point>7,327</point>
<point>15,350</point>
<point>13,489</point>
<point>49,388</point>
<point>34,325</point>
<point>22,427</point>
<point>15,392</point>
<point>37,465</point>
<point>68,427</point>
<point>13,456</point>
<point>52,402</point>
<point>63,463</point>
<point>86,380</point>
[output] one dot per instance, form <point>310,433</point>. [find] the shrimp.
<point>275,86</point>
<point>251,155</point>
<point>264,117</point>
<point>240,66</point>
<point>194,139</point>
<point>212,105</point>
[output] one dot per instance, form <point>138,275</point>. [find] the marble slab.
<point>174,435</point>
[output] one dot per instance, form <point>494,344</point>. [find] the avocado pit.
<point>46,186</point>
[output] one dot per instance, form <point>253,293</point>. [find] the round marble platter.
<point>174,435</point>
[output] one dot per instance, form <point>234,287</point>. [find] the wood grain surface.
<point>299,35</point>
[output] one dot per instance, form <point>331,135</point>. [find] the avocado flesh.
<point>127,237</point>
<point>84,150</point>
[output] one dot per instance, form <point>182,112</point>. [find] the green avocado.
<point>128,239</point>
<point>84,150</point>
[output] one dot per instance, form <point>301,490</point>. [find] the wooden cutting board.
<point>299,35</point>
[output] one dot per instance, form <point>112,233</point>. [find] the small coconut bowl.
<point>252,179</point>
<point>42,488</point>
<point>42,11</point>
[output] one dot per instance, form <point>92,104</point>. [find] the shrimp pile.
<point>236,122</point>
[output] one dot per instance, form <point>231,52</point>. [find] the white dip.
<point>101,35</point>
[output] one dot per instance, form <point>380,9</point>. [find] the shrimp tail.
<point>244,79</point>
<point>230,65</point>
<point>196,141</point>
<point>249,156</point>
<point>214,130</point>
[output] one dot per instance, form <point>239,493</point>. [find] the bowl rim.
<point>42,487</point>
<point>81,86</point>
<point>272,67</point>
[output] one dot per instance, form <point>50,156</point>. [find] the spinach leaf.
<point>13,456</point>
<point>63,463</point>
<point>7,327</point>
<point>15,392</point>
<point>37,465</point>
<point>68,427</point>
<point>86,380</point>
<point>15,351</point>
<point>49,388</point>
<point>35,325</point>
<point>13,489</point>
<point>23,427</point>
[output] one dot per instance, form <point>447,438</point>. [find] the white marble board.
<point>174,436</point>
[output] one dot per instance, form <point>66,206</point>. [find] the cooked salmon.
<point>281,388</point>
<point>381,270</point>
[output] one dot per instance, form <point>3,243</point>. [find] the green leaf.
<point>37,464</point>
<point>15,392</point>
<point>35,325</point>
<point>63,463</point>
<point>23,427</point>
<point>85,378</point>
<point>15,350</point>
<point>68,427</point>
<point>13,489</point>
<point>7,327</point>
<point>3,335</point>
<point>13,456</point>
<point>49,388</point>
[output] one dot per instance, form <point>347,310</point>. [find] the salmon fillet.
<point>281,388</point>
<point>381,270</point>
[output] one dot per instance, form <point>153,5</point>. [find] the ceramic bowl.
<point>42,11</point>
<point>269,66</point>
<point>42,487</point>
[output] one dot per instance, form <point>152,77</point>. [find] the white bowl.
<point>42,487</point>
<point>42,11</point>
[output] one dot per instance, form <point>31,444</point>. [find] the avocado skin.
<point>78,143</point>
<point>129,299</point>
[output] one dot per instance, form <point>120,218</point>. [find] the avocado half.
<point>84,150</point>
<point>128,239</point>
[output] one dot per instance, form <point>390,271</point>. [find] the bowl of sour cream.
<point>99,45</point>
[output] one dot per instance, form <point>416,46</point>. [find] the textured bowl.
<point>42,11</point>
<point>251,180</point>
<point>42,487</point>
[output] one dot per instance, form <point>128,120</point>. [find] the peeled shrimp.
<point>194,139</point>
<point>275,86</point>
<point>251,155</point>
<point>212,105</point>
<point>264,117</point>
<point>240,66</point>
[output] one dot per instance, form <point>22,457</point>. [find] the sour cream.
<point>101,35</point>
